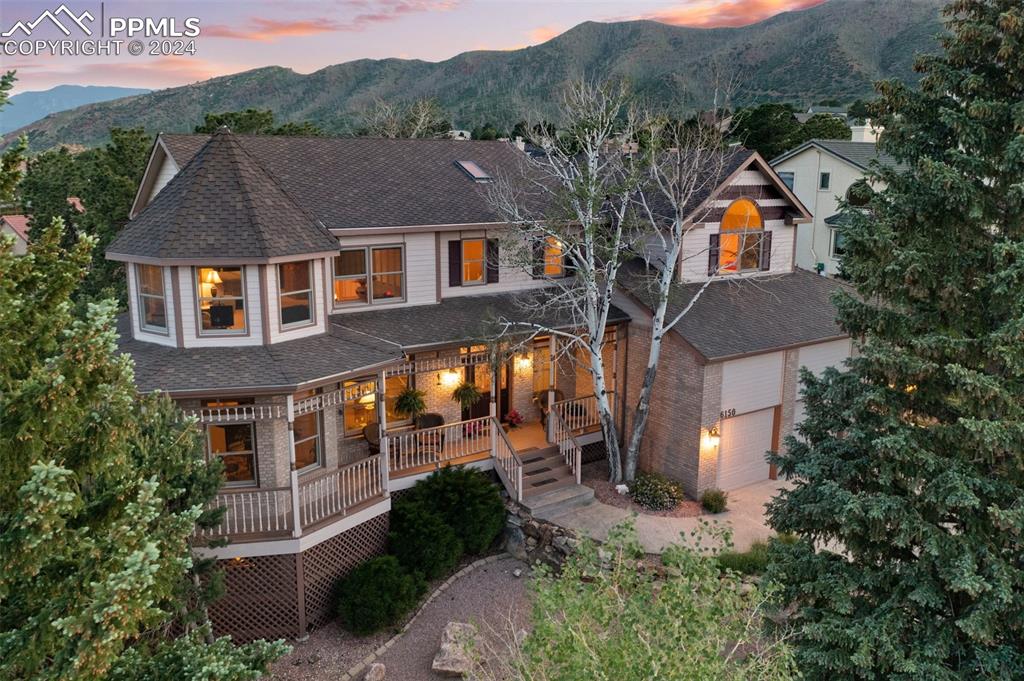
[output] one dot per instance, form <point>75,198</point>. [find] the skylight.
<point>477,173</point>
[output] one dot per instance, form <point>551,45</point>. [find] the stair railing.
<point>568,447</point>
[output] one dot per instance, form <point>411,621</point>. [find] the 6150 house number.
<point>726,413</point>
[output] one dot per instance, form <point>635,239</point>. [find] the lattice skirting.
<point>287,596</point>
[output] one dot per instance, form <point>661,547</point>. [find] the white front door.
<point>741,451</point>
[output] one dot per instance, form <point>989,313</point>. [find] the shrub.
<point>753,561</point>
<point>421,540</point>
<point>714,500</point>
<point>467,500</point>
<point>376,594</point>
<point>656,492</point>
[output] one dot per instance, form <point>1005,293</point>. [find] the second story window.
<point>788,178</point>
<point>369,275</point>
<point>221,299</point>
<point>295,293</point>
<point>554,258</point>
<point>742,243</point>
<point>824,181</point>
<point>152,300</point>
<point>473,262</point>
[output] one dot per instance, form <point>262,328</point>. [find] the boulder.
<point>453,659</point>
<point>515,543</point>
<point>376,672</point>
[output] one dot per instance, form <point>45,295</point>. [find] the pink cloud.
<point>542,34</point>
<point>711,13</point>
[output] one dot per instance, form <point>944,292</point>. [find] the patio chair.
<point>431,420</point>
<point>371,431</point>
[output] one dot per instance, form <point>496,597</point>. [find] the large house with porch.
<point>286,290</point>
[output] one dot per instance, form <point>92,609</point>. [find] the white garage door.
<point>741,451</point>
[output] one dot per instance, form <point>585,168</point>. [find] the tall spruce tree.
<point>910,465</point>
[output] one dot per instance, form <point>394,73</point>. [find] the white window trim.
<point>833,236</point>
<point>372,273</point>
<point>162,330</point>
<point>255,482</point>
<point>351,277</point>
<point>319,437</point>
<point>198,302</point>
<point>309,293</point>
<point>483,262</point>
<point>368,260</point>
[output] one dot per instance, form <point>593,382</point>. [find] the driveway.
<point>745,516</point>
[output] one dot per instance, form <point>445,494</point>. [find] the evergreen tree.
<point>768,129</point>
<point>100,490</point>
<point>909,477</point>
<point>821,126</point>
<point>13,155</point>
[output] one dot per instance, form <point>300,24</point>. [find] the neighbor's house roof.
<point>222,205</point>
<point>737,316</point>
<point>368,182</point>
<point>19,224</point>
<point>858,154</point>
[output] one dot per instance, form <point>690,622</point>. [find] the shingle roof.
<point>736,316</point>
<point>859,154</point>
<point>19,223</point>
<point>452,320</point>
<point>223,204</point>
<point>281,366</point>
<point>372,182</point>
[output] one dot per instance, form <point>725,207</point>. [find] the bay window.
<point>295,293</point>
<point>152,300</point>
<point>220,293</point>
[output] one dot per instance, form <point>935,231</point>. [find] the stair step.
<point>545,482</point>
<point>552,502</point>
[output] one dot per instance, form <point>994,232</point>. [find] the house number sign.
<point>726,413</point>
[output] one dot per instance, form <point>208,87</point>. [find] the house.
<point>834,111</point>
<point>17,227</point>
<point>821,172</point>
<point>285,292</point>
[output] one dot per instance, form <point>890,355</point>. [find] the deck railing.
<point>509,465</point>
<point>333,493</point>
<point>252,512</point>
<point>244,412</point>
<point>580,413</point>
<point>412,449</point>
<point>572,453</point>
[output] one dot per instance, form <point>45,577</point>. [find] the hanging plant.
<point>467,394</point>
<point>410,402</point>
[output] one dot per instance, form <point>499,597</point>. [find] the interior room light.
<point>212,277</point>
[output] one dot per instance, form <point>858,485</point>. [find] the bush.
<point>376,594</point>
<point>656,492</point>
<point>753,561</point>
<point>421,540</point>
<point>467,500</point>
<point>714,500</point>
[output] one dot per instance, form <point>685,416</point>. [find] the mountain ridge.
<point>25,108</point>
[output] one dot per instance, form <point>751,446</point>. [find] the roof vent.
<point>475,172</point>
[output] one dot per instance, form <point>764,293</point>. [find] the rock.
<point>376,672</point>
<point>517,573</point>
<point>622,489</point>
<point>562,545</point>
<point>520,637</point>
<point>514,520</point>
<point>453,659</point>
<point>515,543</point>
<point>532,530</point>
<point>531,543</point>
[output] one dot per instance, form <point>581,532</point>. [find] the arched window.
<point>741,237</point>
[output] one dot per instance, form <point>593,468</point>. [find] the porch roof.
<point>453,320</point>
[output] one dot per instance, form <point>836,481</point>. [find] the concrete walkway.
<point>745,516</point>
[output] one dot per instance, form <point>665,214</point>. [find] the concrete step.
<point>540,483</point>
<point>554,502</point>
<point>545,459</point>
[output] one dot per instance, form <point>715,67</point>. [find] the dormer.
<point>223,256</point>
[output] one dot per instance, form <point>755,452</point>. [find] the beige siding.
<point>752,383</point>
<point>252,308</point>
<point>170,338</point>
<point>822,355</point>
<point>420,270</point>
<point>509,278</point>
<point>168,169</point>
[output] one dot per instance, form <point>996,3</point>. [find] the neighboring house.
<point>836,111</point>
<point>285,291</point>
<point>821,172</point>
<point>16,226</point>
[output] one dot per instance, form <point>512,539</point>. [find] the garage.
<point>741,450</point>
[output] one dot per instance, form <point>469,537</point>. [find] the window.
<point>360,405</point>
<point>234,444</point>
<point>541,365</point>
<point>152,303</point>
<point>369,275</point>
<point>306,429</point>
<point>474,262</point>
<point>787,179</point>
<point>394,386</point>
<point>824,181</point>
<point>295,292</point>
<point>474,171</point>
<point>740,237</point>
<point>836,243</point>
<point>554,257</point>
<point>221,294</point>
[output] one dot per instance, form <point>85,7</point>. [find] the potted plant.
<point>467,394</point>
<point>514,419</point>
<point>410,403</point>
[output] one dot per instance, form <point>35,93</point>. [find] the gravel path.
<point>487,597</point>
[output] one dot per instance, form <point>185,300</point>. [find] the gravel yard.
<point>488,597</point>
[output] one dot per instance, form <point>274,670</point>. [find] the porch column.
<point>552,349</point>
<point>294,478</point>
<point>493,409</point>
<point>382,423</point>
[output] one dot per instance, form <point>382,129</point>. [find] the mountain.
<point>29,107</point>
<point>832,51</point>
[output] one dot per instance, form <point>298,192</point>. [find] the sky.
<point>306,35</point>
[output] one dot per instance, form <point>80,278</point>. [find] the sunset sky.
<point>306,35</point>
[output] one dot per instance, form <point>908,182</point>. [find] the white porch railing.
<point>428,364</point>
<point>249,512</point>
<point>435,446</point>
<point>570,450</point>
<point>318,402</point>
<point>332,493</point>
<point>582,412</point>
<point>510,466</point>
<point>244,412</point>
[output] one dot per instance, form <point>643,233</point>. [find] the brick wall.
<point>790,387</point>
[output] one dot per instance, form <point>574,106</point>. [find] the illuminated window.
<point>221,299</point>
<point>387,276</point>
<point>360,405</point>
<point>554,257</point>
<point>295,286</point>
<point>234,444</point>
<point>306,429</point>
<point>474,265</point>
<point>395,385</point>
<point>152,303</point>
<point>740,237</point>
<point>350,282</point>
<point>369,275</point>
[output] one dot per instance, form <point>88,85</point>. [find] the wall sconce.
<point>712,438</point>
<point>523,363</point>
<point>449,378</point>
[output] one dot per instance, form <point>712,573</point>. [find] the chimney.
<point>864,133</point>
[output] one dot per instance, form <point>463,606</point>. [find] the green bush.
<point>714,500</point>
<point>421,540</point>
<point>656,492</point>
<point>467,500</point>
<point>376,594</point>
<point>753,561</point>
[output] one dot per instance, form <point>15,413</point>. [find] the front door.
<point>480,375</point>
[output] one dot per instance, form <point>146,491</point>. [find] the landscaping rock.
<point>517,573</point>
<point>453,658</point>
<point>515,543</point>
<point>376,672</point>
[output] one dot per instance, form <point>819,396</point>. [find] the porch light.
<point>449,378</point>
<point>523,363</point>
<point>712,438</point>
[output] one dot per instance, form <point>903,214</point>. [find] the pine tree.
<point>909,471</point>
